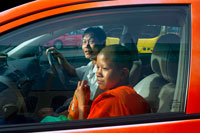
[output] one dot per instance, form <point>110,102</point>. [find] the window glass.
<point>151,34</point>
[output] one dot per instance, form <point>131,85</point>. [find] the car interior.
<point>31,80</point>
<point>158,88</point>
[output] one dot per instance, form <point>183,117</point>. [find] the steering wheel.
<point>57,69</point>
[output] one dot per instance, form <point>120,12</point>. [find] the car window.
<point>71,41</point>
<point>151,34</point>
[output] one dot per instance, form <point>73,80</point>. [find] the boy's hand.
<point>83,96</point>
<point>82,92</point>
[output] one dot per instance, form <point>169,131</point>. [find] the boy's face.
<point>108,75</point>
<point>89,46</point>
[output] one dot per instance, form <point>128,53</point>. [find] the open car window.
<point>159,74</point>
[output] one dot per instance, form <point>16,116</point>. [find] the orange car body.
<point>40,9</point>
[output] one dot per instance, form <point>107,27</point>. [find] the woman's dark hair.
<point>96,33</point>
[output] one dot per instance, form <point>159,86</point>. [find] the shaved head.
<point>119,55</point>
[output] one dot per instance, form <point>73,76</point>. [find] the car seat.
<point>158,88</point>
<point>129,42</point>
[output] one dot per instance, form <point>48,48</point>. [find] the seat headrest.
<point>164,59</point>
<point>130,43</point>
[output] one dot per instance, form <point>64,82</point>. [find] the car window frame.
<point>108,121</point>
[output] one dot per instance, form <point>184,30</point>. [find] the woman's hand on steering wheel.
<point>56,54</point>
<point>53,54</point>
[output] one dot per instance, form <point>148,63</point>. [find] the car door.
<point>180,114</point>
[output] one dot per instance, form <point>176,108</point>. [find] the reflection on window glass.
<point>47,67</point>
<point>151,33</point>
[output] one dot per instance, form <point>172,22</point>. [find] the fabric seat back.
<point>158,88</point>
<point>129,42</point>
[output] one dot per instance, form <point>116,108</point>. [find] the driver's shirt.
<point>89,73</point>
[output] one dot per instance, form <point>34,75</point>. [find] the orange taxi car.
<point>168,77</point>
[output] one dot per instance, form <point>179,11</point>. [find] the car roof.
<point>41,9</point>
<point>36,6</point>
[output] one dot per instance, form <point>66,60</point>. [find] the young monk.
<point>113,66</point>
